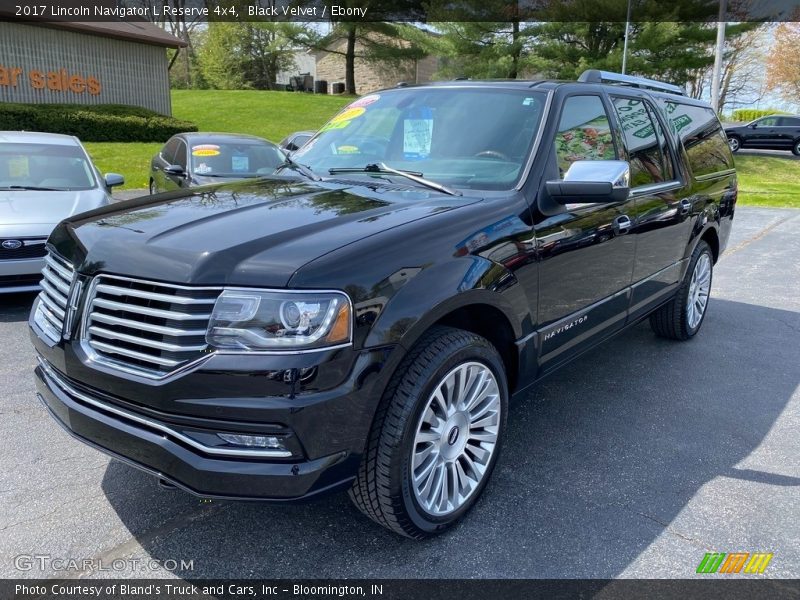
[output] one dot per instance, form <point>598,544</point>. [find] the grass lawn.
<point>271,115</point>
<point>769,180</point>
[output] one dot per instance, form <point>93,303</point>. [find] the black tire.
<point>671,320</point>
<point>152,187</point>
<point>734,143</point>
<point>383,489</point>
<point>796,148</point>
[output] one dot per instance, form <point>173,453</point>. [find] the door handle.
<point>686,206</point>
<point>622,224</point>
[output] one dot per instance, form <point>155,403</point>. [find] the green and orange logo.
<point>734,562</point>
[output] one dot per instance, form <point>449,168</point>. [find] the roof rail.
<point>597,76</point>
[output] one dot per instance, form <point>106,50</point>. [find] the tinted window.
<point>300,140</point>
<point>790,122</point>
<point>168,151</point>
<point>43,165</point>
<point>583,132</point>
<point>768,122</point>
<point>702,137</point>
<point>180,155</point>
<point>645,141</point>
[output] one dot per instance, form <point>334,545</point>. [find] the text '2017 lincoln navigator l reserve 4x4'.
<point>361,318</point>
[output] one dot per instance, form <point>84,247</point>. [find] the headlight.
<point>262,320</point>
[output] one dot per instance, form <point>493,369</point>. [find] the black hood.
<point>255,233</point>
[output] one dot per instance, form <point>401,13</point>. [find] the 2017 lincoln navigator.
<point>360,319</point>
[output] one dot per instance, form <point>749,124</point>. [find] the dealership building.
<point>86,63</point>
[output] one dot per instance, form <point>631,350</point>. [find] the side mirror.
<point>754,125</point>
<point>175,170</point>
<point>592,181</point>
<point>113,180</point>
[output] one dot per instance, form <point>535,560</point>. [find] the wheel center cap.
<point>455,435</point>
<point>452,437</point>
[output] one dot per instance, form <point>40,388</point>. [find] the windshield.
<point>475,138</point>
<point>44,166</point>
<point>235,159</point>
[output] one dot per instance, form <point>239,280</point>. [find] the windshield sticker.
<point>240,164</point>
<point>349,114</point>
<point>418,134</point>
<point>365,101</point>
<point>18,167</point>
<point>205,150</point>
<point>329,126</point>
<point>347,150</point>
<point>202,168</point>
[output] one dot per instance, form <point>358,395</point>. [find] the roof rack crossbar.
<point>597,76</point>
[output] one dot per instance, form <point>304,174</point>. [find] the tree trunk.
<point>350,61</point>
<point>515,50</point>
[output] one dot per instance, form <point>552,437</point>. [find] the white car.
<point>44,178</point>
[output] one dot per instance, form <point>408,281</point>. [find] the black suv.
<point>776,132</point>
<point>360,319</point>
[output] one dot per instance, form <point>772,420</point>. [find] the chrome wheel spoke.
<point>455,438</point>
<point>699,289</point>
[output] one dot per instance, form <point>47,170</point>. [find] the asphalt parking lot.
<point>632,462</point>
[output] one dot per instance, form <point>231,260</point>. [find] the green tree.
<point>480,50</point>
<point>380,42</point>
<point>246,54</point>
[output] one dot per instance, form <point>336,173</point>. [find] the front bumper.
<point>179,453</point>
<point>20,275</point>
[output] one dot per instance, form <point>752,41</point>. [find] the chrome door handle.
<point>622,224</point>
<point>686,206</point>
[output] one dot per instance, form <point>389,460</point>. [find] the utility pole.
<point>716,75</point>
<point>625,45</point>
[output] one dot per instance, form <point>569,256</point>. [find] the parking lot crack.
<point>675,532</point>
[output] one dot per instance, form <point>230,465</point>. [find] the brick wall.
<point>371,75</point>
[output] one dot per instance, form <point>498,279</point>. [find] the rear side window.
<point>583,133</point>
<point>790,122</point>
<point>702,137</point>
<point>648,151</point>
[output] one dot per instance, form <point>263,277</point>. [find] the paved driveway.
<point>633,461</point>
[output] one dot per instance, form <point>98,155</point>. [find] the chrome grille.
<point>53,299</point>
<point>147,327</point>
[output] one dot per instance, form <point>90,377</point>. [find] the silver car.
<point>44,178</point>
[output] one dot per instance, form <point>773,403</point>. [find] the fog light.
<point>252,441</point>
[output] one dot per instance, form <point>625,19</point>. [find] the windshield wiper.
<point>291,164</point>
<point>384,168</point>
<point>30,187</point>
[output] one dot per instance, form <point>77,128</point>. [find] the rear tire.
<point>438,427</point>
<point>682,317</point>
<point>796,148</point>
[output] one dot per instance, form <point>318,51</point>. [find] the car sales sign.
<point>59,80</point>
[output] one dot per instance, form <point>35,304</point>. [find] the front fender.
<point>442,289</point>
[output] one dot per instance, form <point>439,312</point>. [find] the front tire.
<point>734,143</point>
<point>682,317</point>
<point>436,435</point>
<point>152,187</point>
<point>796,148</point>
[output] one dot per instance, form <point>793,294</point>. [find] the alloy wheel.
<point>699,288</point>
<point>455,439</point>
